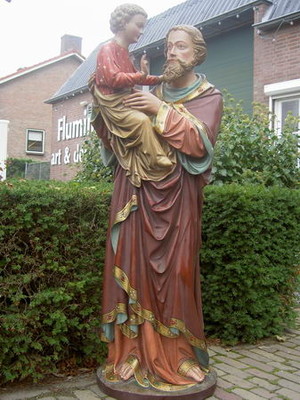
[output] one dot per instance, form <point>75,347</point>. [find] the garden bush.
<point>52,243</point>
<point>52,239</point>
<point>92,168</point>
<point>248,151</point>
<point>249,261</point>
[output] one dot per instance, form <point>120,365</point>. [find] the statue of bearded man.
<point>152,311</point>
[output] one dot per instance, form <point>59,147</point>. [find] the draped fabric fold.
<point>133,139</point>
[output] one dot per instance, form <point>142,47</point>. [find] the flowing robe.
<point>151,310</point>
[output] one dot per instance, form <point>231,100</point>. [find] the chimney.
<point>69,43</point>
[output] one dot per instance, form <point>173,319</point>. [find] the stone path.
<point>269,370</point>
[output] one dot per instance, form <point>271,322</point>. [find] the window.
<point>88,110</point>
<point>282,107</point>
<point>284,98</point>
<point>35,141</point>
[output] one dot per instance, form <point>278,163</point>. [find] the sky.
<point>31,30</point>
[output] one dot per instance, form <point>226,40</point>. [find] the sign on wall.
<point>67,131</point>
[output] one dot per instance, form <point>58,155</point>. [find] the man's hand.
<point>143,101</point>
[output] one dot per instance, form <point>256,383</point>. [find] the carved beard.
<point>175,69</point>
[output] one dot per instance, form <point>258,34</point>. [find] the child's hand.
<point>144,64</point>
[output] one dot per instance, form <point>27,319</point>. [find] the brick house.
<point>70,121</point>
<point>276,61</point>
<point>253,52</point>
<point>22,102</point>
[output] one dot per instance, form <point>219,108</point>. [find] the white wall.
<point>3,147</point>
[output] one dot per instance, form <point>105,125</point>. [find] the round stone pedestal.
<point>130,390</point>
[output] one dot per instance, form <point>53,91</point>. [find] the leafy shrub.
<point>249,260</point>
<point>248,151</point>
<point>52,239</point>
<point>52,243</point>
<point>92,167</point>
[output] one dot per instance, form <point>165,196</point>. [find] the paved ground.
<point>269,370</point>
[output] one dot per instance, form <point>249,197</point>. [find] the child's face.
<point>134,28</point>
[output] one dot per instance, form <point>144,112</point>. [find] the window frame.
<point>43,141</point>
<point>277,110</point>
<point>278,93</point>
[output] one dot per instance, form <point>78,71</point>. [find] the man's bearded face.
<point>174,69</point>
<point>180,54</point>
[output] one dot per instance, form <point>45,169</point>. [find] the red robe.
<point>151,308</point>
<point>116,71</point>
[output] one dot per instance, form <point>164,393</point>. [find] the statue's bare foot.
<point>126,371</point>
<point>196,373</point>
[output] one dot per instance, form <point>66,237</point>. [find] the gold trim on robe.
<point>202,88</point>
<point>167,387</point>
<point>160,120</point>
<point>122,215</point>
<point>187,365</point>
<point>143,380</point>
<point>148,315</point>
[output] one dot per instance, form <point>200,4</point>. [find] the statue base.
<point>130,390</point>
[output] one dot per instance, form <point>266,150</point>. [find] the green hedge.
<point>250,260</point>
<point>52,238</point>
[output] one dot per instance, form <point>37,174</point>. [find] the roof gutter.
<point>283,18</point>
<point>234,12</point>
<point>64,96</point>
